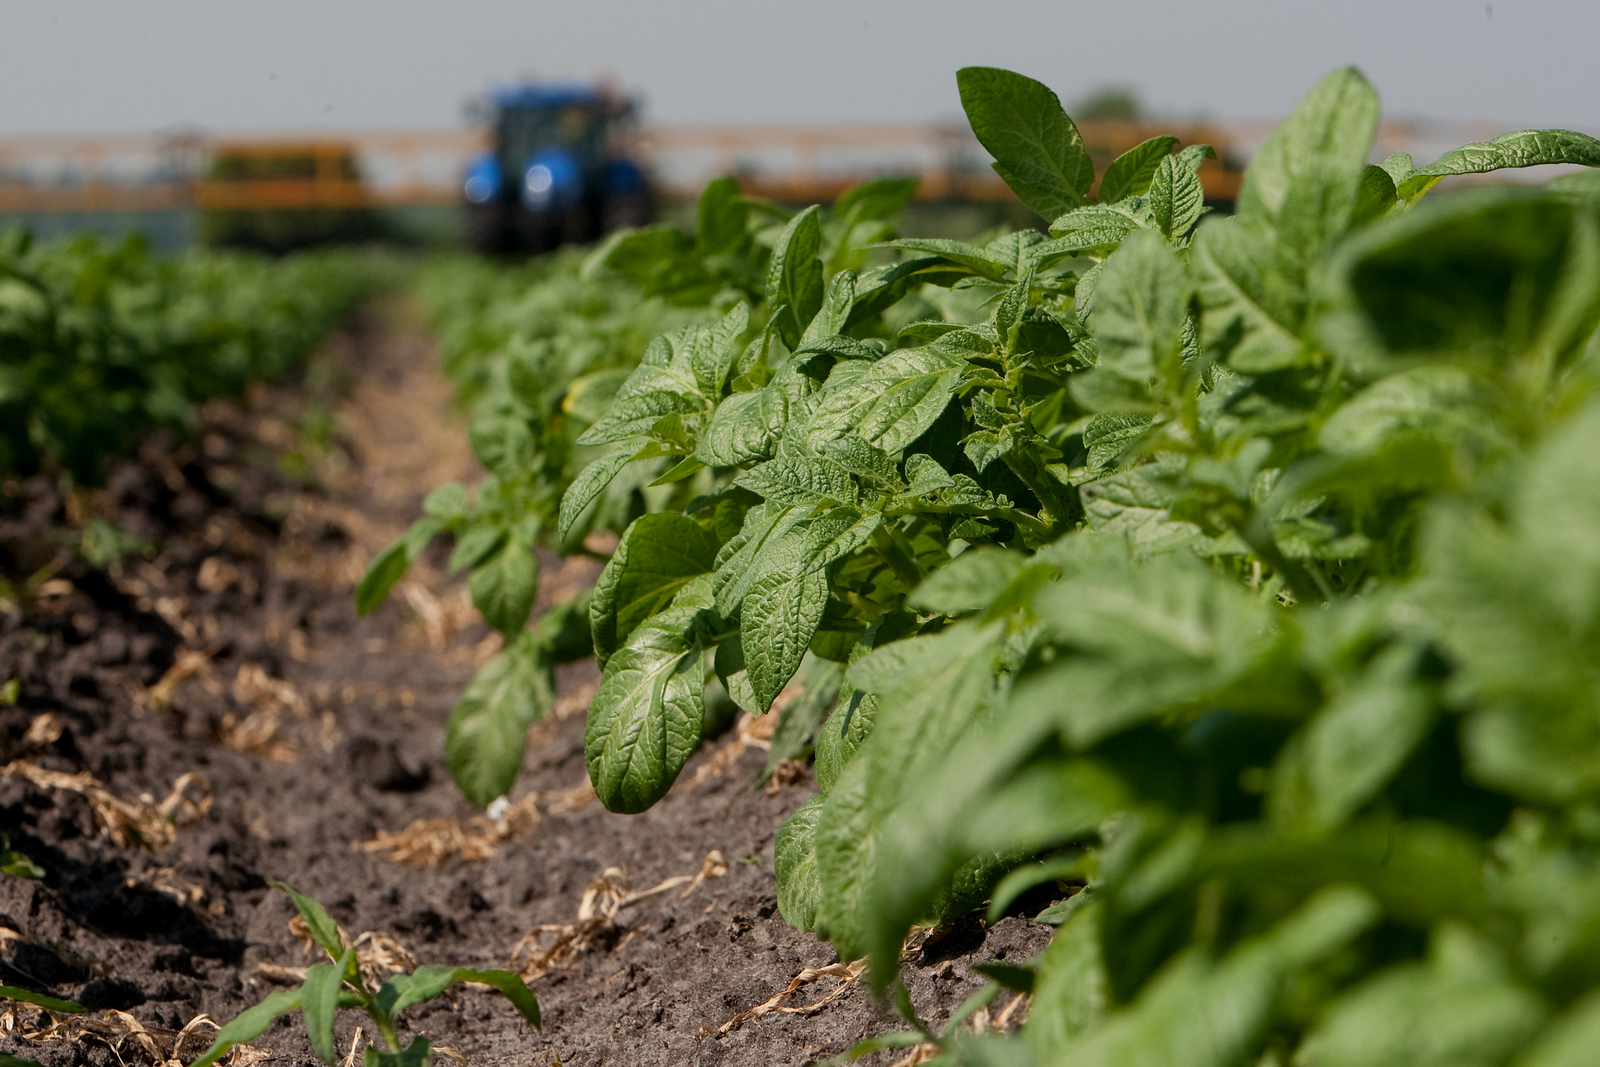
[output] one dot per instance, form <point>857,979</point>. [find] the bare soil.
<point>306,744</point>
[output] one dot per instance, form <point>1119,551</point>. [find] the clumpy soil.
<point>210,713</point>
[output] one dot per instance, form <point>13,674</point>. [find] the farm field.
<point>1156,637</point>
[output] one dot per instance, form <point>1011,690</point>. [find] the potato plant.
<point>1238,570</point>
<point>540,354</point>
<point>332,986</point>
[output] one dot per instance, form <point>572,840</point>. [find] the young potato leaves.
<point>1037,149</point>
<point>1130,174</point>
<point>488,728</point>
<point>1298,196</point>
<point>1176,197</point>
<point>794,856</point>
<point>391,564</point>
<point>779,616</point>
<point>647,715</point>
<point>721,213</point>
<point>1140,309</point>
<point>794,275</point>
<point>503,586</point>
<point>657,556</point>
<point>1304,179</point>
<point>892,403</point>
<point>588,486</point>
<point>1525,148</point>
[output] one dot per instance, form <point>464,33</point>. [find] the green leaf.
<point>1458,1009</point>
<point>746,426</point>
<point>802,716</point>
<point>509,985</point>
<point>446,502</point>
<point>1029,877</point>
<point>794,275</point>
<point>1070,991</point>
<point>28,996</point>
<point>651,393</point>
<point>319,1002</point>
<point>1513,602</point>
<point>830,319</point>
<point>646,717</point>
<point>1570,1040</point>
<point>878,198</point>
<point>422,985</point>
<point>504,585</point>
<point>779,616</point>
<point>322,927</point>
<point>794,856</point>
<point>417,1054</point>
<point>250,1024</point>
<point>392,563</point>
<point>1130,174</point>
<point>1252,309</point>
<point>1228,1001</point>
<point>1140,307</point>
<point>657,555</point>
<point>841,735</point>
<point>1350,749</point>
<point>973,258</point>
<point>969,582</point>
<point>890,405</point>
<point>488,728</point>
<point>1177,198</point>
<point>1304,178</point>
<point>387,568</point>
<point>587,486</point>
<point>720,217</point>
<point>1375,199</point>
<point>1484,275</point>
<point>474,544</point>
<point>1525,148</point>
<point>17,864</point>
<point>1037,149</point>
<point>716,348</point>
<point>8,1060</point>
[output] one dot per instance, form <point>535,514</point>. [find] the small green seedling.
<point>331,986</point>
<point>17,863</point>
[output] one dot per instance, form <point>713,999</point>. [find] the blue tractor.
<point>561,170</point>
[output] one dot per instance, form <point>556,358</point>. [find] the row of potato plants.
<point>101,343</point>
<point>1237,571</point>
<point>538,353</point>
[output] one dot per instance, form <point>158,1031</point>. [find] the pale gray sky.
<point>130,65</point>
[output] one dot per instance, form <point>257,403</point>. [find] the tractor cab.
<point>561,169</point>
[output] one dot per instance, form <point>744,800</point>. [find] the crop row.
<point>1233,577</point>
<point>101,344</point>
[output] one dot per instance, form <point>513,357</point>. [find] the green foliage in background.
<point>100,344</point>
<point>328,987</point>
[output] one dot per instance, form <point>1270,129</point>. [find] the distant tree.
<point>1110,102</point>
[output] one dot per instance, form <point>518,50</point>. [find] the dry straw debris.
<point>556,946</point>
<point>141,823</point>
